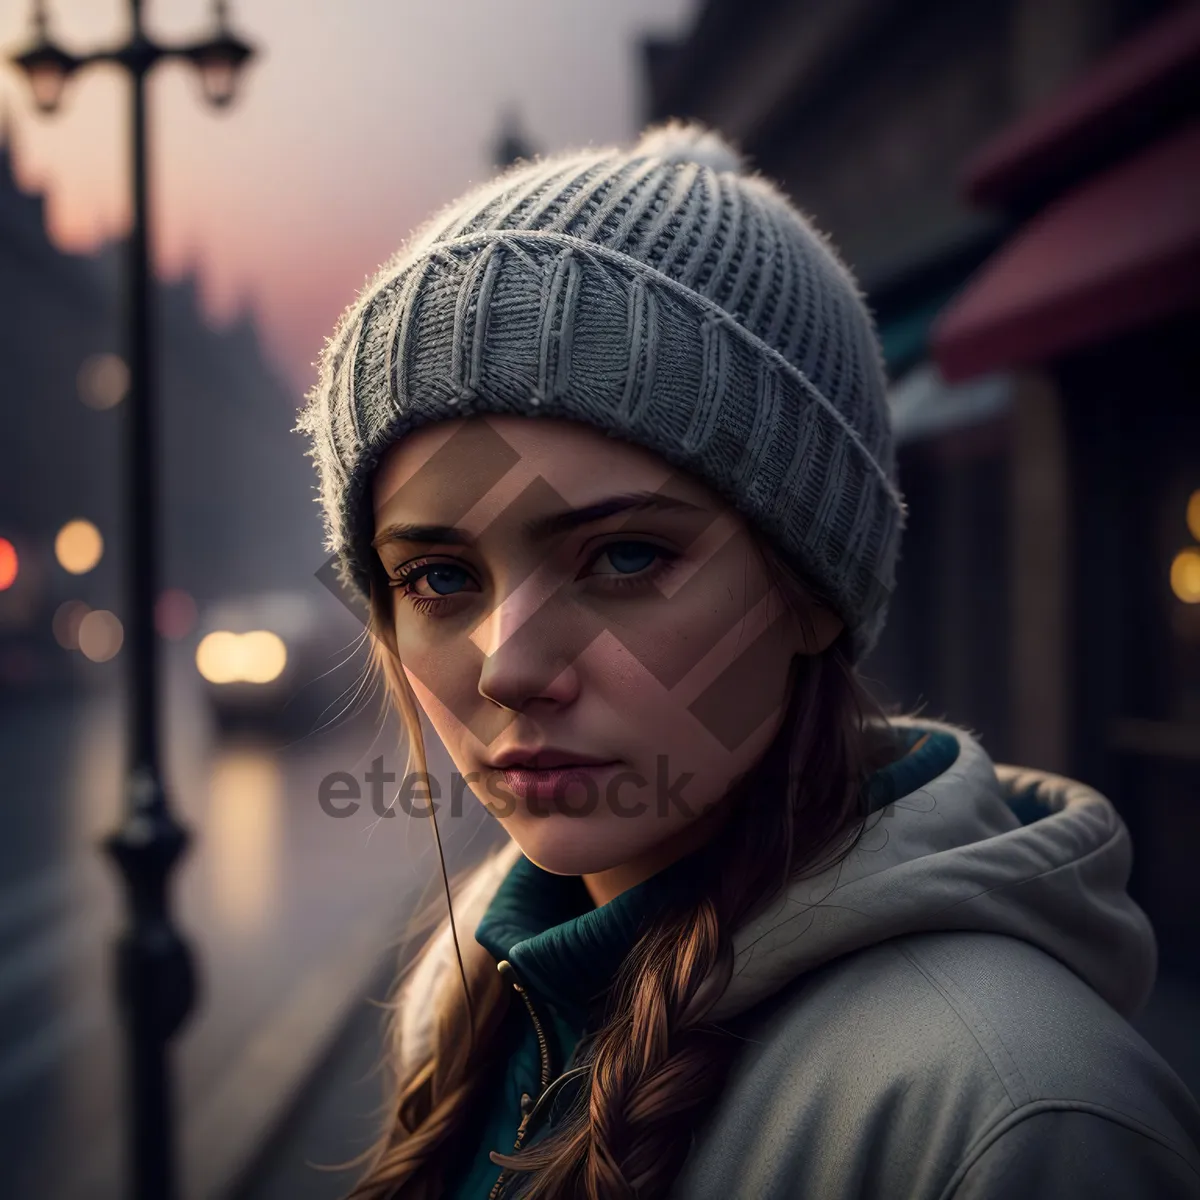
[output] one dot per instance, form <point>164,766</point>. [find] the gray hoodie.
<point>941,1016</point>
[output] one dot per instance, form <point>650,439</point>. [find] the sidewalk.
<point>334,1117</point>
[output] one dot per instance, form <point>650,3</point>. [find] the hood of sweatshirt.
<point>983,846</point>
<point>955,841</point>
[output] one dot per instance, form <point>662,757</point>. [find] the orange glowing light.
<point>78,547</point>
<point>1185,576</point>
<point>9,564</point>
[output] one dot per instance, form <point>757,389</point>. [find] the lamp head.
<point>48,67</point>
<point>220,60</point>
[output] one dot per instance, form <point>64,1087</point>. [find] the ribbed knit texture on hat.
<point>661,294</point>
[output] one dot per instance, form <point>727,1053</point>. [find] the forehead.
<point>470,472</point>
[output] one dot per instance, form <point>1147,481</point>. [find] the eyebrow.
<point>544,527</point>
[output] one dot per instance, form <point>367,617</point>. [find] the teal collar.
<point>567,950</point>
<point>562,946</point>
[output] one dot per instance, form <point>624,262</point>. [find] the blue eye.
<point>631,557</point>
<point>445,579</point>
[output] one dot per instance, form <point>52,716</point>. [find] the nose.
<point>531,642</point>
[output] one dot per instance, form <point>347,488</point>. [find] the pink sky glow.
<point>360,118</point>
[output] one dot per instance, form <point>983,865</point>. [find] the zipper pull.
<point>526,1103</point>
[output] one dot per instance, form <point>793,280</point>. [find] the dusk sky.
<point>359,119</point>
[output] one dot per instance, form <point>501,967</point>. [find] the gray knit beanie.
<point>663,295</point>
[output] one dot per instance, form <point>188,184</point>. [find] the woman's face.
<point>590,632</point>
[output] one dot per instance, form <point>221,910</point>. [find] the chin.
<point>566,845</point>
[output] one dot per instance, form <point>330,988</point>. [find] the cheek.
<point>710,715</point>
<point>706,662</point>
<point>444,661</point>
<point>445,682</point>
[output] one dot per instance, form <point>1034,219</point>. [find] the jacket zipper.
<point>508,971</point>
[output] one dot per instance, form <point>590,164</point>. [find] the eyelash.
<point>663,561</point>
<point>411,574</point>
<point>415,571</point>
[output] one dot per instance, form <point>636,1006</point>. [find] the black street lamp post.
<point>154,975</point>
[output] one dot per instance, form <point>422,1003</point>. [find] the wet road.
<point>287,908</point>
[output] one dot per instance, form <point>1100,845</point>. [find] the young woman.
<point>606,449</point>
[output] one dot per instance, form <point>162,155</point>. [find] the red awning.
<point>1119,251</point>
<point>1141,86</point>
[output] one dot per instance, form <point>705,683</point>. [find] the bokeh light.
<point>9,564</point>
<point>175,614</point>
<point>100,635</point>
<point>103,380</point>
<point>217,657</point>
<point>67,619</point>
<point>1185,576</point>
<point>1193,514</point>
<point>263,656</point>
<point>78,547</point>
<point>256,657</point>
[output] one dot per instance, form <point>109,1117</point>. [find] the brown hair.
<point>656,1065</point>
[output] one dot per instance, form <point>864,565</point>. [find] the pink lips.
<point>575,782</point>
<point>549,773</point>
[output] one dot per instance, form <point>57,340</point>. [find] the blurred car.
<point>274,661</point>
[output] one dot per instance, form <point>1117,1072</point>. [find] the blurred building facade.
<point>237,510</point>
<point>1094,299</point>
<point>1035,601</point>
